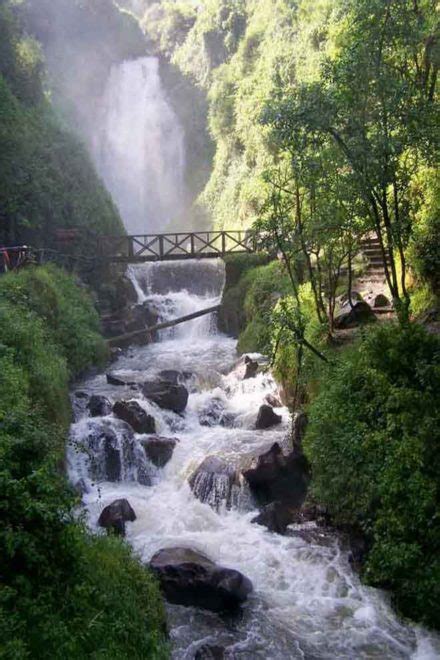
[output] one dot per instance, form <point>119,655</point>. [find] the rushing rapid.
<point>307,601</point>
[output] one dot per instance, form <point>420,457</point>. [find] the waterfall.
<point>139,150</point>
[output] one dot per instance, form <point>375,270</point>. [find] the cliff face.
<point>46,177</point>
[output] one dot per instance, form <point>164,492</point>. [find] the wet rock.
<point>81,487</point>
<point>267,418</point>
<point>209,652</point>
<point>190,578</point>
<point>251,368</point>
<point>81,395</point>
<point>114,516</point>
<point>350,317</point>
<point>275,477</point>
<point>215,482</point>
<point>276,516</point>
<point>214,414</point>
<point>99,406</point>
<point>114,380</point>
<point>159,450</point>
<point>132,413</point>
<point>166,394</point>
<point>110,446</point>
<point>273,401</point>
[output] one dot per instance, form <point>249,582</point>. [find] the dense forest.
<point>313,125</point>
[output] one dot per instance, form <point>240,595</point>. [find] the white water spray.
<point>139,148</point>
<point>307,602</point>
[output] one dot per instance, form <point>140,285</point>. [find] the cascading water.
<point>139,148</point>
<point>307,601</point>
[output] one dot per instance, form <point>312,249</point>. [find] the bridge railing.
<point>177,245</point>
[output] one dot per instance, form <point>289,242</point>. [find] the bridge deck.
<point>173,246</point>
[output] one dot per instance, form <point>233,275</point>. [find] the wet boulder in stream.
<point>276,477</point>
<point>167,393</point>
<point>109,443</point>
<point>215,482</point>
<point>252,367</point>
<point>115,515</point>
<point>132,413</point>
<point>159,450</point>
<point>99,406</point>
<point>190,578</point>
<point>267,418</point>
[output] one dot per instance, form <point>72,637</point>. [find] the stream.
<point>307,601</point>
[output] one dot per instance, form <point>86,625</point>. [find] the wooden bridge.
<point>181,245</point>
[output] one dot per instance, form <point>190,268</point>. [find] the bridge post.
<point>193,245</point>
<point>223,243</point>
<point>161,251</point>
<point>130,247</point>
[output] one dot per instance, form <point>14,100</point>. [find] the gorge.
<point>307,602</point>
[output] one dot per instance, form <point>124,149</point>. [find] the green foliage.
<point>65,310</point>
<point>63,593</point>
<point>425,247</point>
<point>373,444</point>
<point>47,179</point>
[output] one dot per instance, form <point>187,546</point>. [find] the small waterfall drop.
<point>139,148</point>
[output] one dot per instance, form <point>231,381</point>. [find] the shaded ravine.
<point>307,601</point>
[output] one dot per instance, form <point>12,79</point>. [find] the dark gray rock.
<point>114,380</point>
<point>110,445</point>
<point>159,450</point>
<point>381,301</point>
<point>214,414</point>
<point>210,652</point>
<point>276,516</point>
<point>99,406</point>
<point>350,317</point>
<point>275,477</point>
<point>215,482</point>
<point>166,394</point>
<point>190,578</point>
<point>115,515</point>
<point>132,413</point>
<point>252,367</point>
<point>267,418</point>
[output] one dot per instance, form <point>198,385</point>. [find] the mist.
<point>108,89</point>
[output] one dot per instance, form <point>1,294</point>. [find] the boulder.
<point>132,413</point>
<point>350,317</point>
<point>115,515</point>
<point>251,368</point>
<point>81,395</point>
<point>159,450</point>
<point>381,301</point>
<point>114,380</point>
<point>166,394</point>
<point>267,418</point>
<point>99,406</point>
<point>111,449</point>
<point>210,652</point>
<point>214,414</point>
<point>273,401</point>
<point>190,578</point>
<point>275,477</point>
<point>276,516</point>
<point>355,297</point>
<point>215,482</point>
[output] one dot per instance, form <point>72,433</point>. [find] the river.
<point>307,601</point>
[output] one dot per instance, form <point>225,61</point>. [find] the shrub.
<point>63,593</point>
<point>373,443</point>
